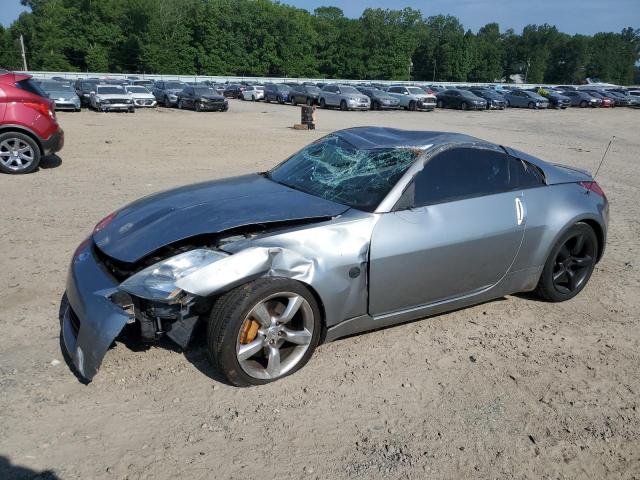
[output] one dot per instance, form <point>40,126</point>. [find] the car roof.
<point>367,138</point>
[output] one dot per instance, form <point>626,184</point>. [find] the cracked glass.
<point>335,170</point>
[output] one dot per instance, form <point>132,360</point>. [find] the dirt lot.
<point>515,388</point>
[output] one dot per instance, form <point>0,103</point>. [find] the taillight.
<point>42,108</point>
<point>593,187</point>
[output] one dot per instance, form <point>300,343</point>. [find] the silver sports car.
<point>362,229</point>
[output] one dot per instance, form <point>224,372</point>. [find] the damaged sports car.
<point>362,229</point>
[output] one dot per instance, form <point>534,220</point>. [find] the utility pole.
<point>410,67</point>
<point>434,69</point>
<point>24,55</point>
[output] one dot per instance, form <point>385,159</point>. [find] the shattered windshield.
<point>335,170</point>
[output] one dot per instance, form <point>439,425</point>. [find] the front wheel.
<point>19,153</point>
<point>293,101</point>
<point>412,106</point>
<point>343,106</point>
<point>532,105</point>
<point>583,104</point>
<point>464,106</point>
<point>263,330</point>
<point>440,104</point>
<point>569,265</point>
<point>323,104</point>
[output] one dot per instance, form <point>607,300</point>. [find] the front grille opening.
<point>75,321</point>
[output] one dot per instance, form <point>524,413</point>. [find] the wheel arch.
<point>25,131</point>
<point>591,221</point>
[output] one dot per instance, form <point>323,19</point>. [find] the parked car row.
<point>132,93</point>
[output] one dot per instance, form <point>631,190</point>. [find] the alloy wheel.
<point>573,263</point>
<point>275,335</point>
<point>16,154</point>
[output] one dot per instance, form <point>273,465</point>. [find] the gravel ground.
<point>514,388</point>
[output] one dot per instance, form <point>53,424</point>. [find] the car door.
<point>455,232</point>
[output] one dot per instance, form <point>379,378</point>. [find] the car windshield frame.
<point>136,89</point>
<point>335,170</point>
<point>204,90</point>
<point>106,90</point>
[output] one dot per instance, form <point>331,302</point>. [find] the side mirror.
<point>338,92</point>
<point>405,93</point>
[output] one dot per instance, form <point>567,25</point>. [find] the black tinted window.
<point>30,86</point>
<point>460,173</point>
<point>524,175</point>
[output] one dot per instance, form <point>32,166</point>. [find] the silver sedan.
<point>362,229</point>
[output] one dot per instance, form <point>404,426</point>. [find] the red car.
<point>29,129</point>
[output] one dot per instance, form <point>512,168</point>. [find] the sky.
<point>570,16</point>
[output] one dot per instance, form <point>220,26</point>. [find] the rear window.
<point>28,85</point>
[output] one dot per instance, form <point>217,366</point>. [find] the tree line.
<point>266,38</point>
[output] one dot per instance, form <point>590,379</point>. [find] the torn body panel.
<point>330,257</point>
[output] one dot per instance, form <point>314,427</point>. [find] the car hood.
<point>153,222</point>
<point>113,96</point>
<point>212,97</point>
<point>142,95</point>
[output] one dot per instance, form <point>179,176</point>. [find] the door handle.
<point>521,212</point>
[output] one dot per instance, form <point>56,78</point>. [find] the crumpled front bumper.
<point>91,320</point>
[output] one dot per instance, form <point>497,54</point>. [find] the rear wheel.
<point>323,104</point>
<point>569,265</point>
<point>464,106</point>
<point>263,331</point>
<point>19,153</point>
<point>583,104</point>
<point>343,106</point>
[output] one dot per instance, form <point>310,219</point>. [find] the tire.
<point>412,106</point>
<point>464,106</point>
<point>323,104</point>
<point>279,100</point>
<point>180,105</point>
<point>440,104</point>
<point>569,254</point>
<point>166,102</point>
<point>198,107</point>
<point>266,99</point>
<point>132,110</point>
<point>253,98</point>
<point>508,104</point>
<point>531,105</point>
<point>228,324</point>
<point>375,105</point>
<point>293,101</point>
<point>27,158</point>
<point>309,102</point>
<point>343,106</point>
<point>583,104</point>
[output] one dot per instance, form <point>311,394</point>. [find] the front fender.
<point>331,257</point>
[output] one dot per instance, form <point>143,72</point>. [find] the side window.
<point>394,90</point>
<point>459,173</point>
<point>525,175</point>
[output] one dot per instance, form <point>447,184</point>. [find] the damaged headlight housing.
<point>158,282</point>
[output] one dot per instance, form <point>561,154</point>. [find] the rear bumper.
<point>54,143</point>
<point>91,321</point>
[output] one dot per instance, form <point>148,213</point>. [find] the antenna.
<point>604,156</point>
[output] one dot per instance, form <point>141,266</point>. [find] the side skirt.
<point>520,281</point>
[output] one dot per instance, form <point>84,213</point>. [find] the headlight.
<point>158,282</point>
<point>173,97</point>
